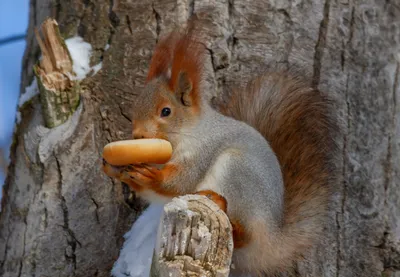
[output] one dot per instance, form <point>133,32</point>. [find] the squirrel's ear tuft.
<point>184,89</point>
<point>187,67</point>
<point>162,57</point>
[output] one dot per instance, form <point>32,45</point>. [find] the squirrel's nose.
<point>139,134</point>
<point>143,129</point>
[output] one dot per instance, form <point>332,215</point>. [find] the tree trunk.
<point>61,216</point>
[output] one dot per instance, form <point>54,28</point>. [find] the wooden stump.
<point>195,239</point>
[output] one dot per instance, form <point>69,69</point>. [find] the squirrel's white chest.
<point>215,175</point>
<point>187,149</point>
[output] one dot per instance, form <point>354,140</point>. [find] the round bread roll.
<point>151,151</point>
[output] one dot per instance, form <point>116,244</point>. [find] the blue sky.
<point>13,21</point>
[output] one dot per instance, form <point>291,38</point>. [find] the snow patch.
<point>137,252</point>
<point>30,92</point>
<point>97,67</point>
<point>107,47</point>
<point>81,52</point>
<point>18,117</point>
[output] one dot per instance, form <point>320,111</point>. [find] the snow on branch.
<point>81,52</point>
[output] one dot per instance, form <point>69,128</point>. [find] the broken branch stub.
<point>59,93</point>
<point>195,239</point>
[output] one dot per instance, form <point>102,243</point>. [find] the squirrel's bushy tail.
<point>301,126</point>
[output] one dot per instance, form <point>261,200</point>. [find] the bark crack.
<point>289,25</point>
<point>285,13</point>
<point>96,210</point>
<point>215,67</point>
<point>114,22</point>
<point>128,22</point>
<point>113,17</point>
<point>321,43</point>
<point>340,228</point>
<point>45,218</point>
<point>23,248</point>
<point>392,129</point>
<point>338,252</point>
<point>343,56</point>
<point>158,21</point>
<point>233,40</point>
<point>35,23</point>
<point>191,7</point>
<point>80,27</point>
<point>351,34</point>
<point>123,114</point>
<point>72,241</point>
<point>352,24</point>
<point>385,246</point>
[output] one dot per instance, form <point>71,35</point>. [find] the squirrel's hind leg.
<point>240,239</point>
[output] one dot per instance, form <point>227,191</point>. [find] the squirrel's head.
<point>170,100</point>
<point>160,112</point>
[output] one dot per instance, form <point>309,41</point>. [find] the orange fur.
<point>152,178</point>
<point>169,171</point>
<point>142,177</point>
<point>162,56</point>
<point>240,237</point>
<point>188,57</point>
<point>215,197</point>
<point>117,172</point>
<point>181,52</point>
<point>127,180</point>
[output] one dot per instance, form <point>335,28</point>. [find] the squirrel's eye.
<point>165,112</point>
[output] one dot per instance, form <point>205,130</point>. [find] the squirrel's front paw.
<point>111,171</point>
<point>118,172</point>
<point>144,175</point>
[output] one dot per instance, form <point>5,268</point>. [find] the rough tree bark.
<point>62,217</point>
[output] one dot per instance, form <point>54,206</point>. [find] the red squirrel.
<point>267,157</point>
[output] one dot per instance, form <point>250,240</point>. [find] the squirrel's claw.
<point>146,170</point>
<point>135,175</point>
<point>144,175</point>
<point>110,170</point>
